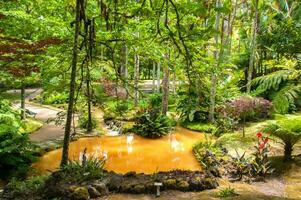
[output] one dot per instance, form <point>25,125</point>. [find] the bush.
<point>288,130</point>
<point>56,98</point>
<point>16,150</point>
<point>83,121</point>
<point>191,108</point>
<point>246,108</point>
<point>152,125</point>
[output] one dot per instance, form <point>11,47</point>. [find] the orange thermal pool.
<point>133,153</point>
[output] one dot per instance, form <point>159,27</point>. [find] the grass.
<point>236,141</point>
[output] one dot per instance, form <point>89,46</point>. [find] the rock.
<point>101,188</point>
<point>93,192</point>
<point>138,189</point>
<point>170,183</point>
<point>80,193</point>
<point>183,185</point>
<point>129,174</point>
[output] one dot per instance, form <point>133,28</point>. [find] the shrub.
<point>246,108</point>
<point>56,98</point>
<point>191,108</point>
<point>288,130</point>
<point>83,121</point>
<point>152,125</point>
<point>16,150</point>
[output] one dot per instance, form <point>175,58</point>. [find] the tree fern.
<point>284,99</point>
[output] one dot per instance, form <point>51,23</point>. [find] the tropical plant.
<point>152,124</point>
<point>282,86</point>
<point>208,154</point>
<point>288,130</point>
<point>76,171</point>
<point>261,166</point>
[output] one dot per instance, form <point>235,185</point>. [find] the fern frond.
<point>271,81</point>
<point>284,99</point>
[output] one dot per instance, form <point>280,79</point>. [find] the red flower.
<point>266,140</point>
<point>259,134</point>
<point>261,146</point>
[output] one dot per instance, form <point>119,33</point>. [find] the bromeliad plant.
<point>261,165</point>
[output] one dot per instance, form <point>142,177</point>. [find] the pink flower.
<point>266,140</point>
<point>259,134</point>
<point>261,146</point>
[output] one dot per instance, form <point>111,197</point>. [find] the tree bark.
<point>158,76</point>
<point>154,77</point>
<point>165,88</point>
<point>253,48</point>
<point>213,73</point>
<point>23,113</point>
<point>89,124</point>
<point>65,152</point>
<point>288,150</point>
<point>136,78</point>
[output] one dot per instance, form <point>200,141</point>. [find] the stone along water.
<point>127,153</point>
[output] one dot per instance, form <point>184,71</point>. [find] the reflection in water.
<point>133,153</point>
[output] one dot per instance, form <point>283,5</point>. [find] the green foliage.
<point>241,165</point>
<point>227,192</point>
<point>83,121</point>
<point>207,154</point>
<point>78,172</point>
<point>190,108</point>
<point>152,125</point>
<point>56,98</point>
<point>282,85</point>
<point>16,150</point>
<point>261,166</point>
<point>201,127</point>
<point>288,130</point>
<point>27,187</point>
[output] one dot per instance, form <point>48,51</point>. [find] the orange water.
<point>133,153</point>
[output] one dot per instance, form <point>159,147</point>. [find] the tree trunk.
<point>288,150</point>
<point>253,48</point>
<point>136,78</point>
<point>158,76</point>
<point>174,81</point>
<point>165,88</point>
<point>124,69</point>
<point>23,113</point>
<point>89,124</point>
<point>65,152</point>
<point>213,75</point>
<point>154,77</point>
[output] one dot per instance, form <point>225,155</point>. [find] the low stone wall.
<point>130,183</point>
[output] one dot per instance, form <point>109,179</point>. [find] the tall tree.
<point>79,8</point>
<point>253,46</point>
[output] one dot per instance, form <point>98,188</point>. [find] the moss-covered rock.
<point>80,193</point>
